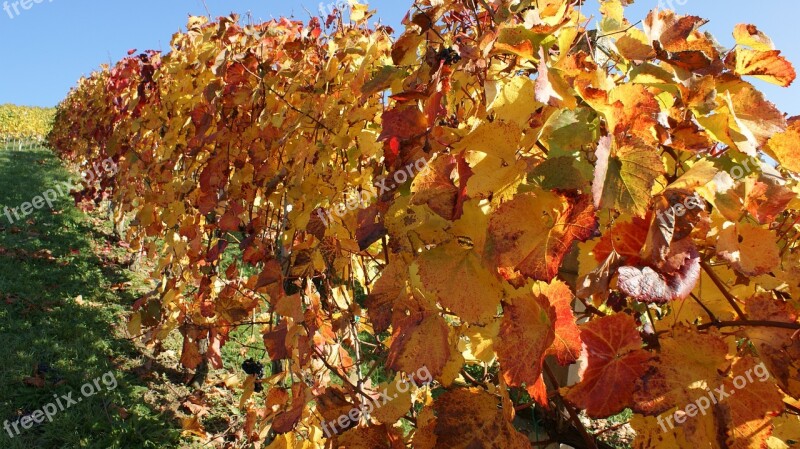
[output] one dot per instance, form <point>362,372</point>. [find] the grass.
<point>60,302</point>
<point>65,292</point>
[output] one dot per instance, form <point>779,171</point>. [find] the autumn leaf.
<point>612,360</point>
<point>778,348</point>
<point>435,187</point>
<point>751,36</point>
<point>536,246</point>
<point>461,282</point>
<point>332,404</point>
<point>193,427</point>
<point>513,104</point>
<point>634,111</point>
<point>678,40</point>
<point>420,336</point>
<point>752,407</point>
<point>275,342</point>
<point>466,418</point>
<point>286,420</point>
<point>387,289</point>
<point>567,343</point>
<point>689,361</point>
<point>625,175</point>
<point>400,391</point>
<point>404,123</point>
<point>768,66</point>
<point>786,146</point>
<point>370,437</point>
<point>649,285</point>
<point>750,249</point>
<point>551,89</point>
<point>626,239</point>
<point>597,281</point>
<point>527,331</point>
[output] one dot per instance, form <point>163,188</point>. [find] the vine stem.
<point>723,289</point>
<point>573,415</point>
<point>751,323</point>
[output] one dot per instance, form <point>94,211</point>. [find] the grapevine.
<point>620,199</point>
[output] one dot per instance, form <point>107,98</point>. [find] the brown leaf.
<point>36,381</point>
<point>469,418</point>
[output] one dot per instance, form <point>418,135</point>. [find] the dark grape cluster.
<point>256,369</point>
<point>448,55</point>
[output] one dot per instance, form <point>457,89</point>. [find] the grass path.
<point>59,300</point>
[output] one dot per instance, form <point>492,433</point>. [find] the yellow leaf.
<point>135,324</point>
<point>358,12</point>
<point>515,102</point>
<point>785,147</point>
<point>751,250</point>
<point>625,175</point>
<point>399,390</point>
<point>481,342</point>
<point>193,427</point>
<point>750,36</point>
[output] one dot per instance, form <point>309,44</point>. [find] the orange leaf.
<point>769,66</point>
<point>536,247</point>
<point>461,282</point>
<point>526,333</point>
<point>420,338</point>
<point>626,238</point>
<point>567,344</point>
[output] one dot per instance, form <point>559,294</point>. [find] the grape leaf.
<point>461,282</point>
<point>468,418</point>
<point>526,334</point>
<point>612,360</point>
<point>625,175</point>
<point>536,247</point>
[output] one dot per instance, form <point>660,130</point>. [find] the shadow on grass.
<point>58,308</point>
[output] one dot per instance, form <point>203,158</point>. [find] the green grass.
<point>46,262</point>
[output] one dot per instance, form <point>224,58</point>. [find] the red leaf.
<point>626,238</point>
<point>613,359</point>
<point>275,341</point>
<point>403,123</point>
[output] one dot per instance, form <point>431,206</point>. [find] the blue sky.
<point>46,48</point>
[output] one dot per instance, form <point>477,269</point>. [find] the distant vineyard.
<point>24,123</point>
